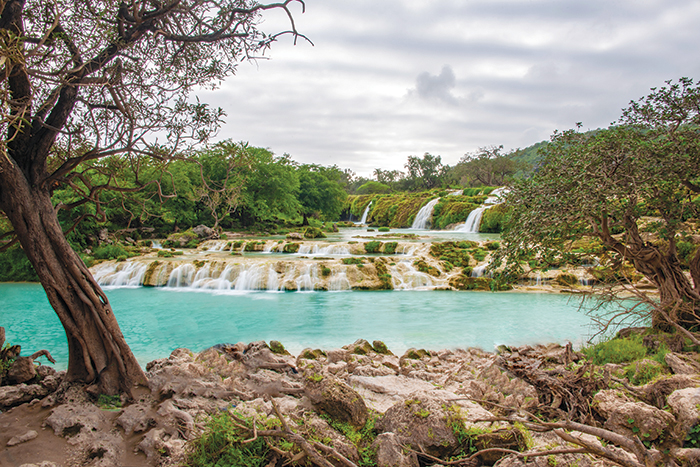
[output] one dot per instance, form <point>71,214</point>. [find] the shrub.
<point>221,444</point>
<point>352,260</point>
<point>618,350</point>
<point>15,266</point>
<point>383,229</point>
<point>373,246</point>
<point>112,251</point>
<point>390,247</point>
<point>291,248</point>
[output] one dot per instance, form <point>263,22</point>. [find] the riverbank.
<point>366,406</point>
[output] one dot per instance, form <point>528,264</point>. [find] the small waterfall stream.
<point>364,215</point>
<point>424,216</point>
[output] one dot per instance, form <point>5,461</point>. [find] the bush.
<point>373,246</point>
<point>291,248</point>
<point>15,267</point>
<point>383,229</point>
<point>112,251</point>
<point>390,247</point>
<point>221,444</point>
<point>618,350</point>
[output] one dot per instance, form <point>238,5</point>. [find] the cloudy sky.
<point>386,79</point>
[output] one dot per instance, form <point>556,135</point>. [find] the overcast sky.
<point>386,79</point>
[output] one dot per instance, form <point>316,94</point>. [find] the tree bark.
<point>98,354</point>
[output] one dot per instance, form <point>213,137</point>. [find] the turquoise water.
<point>156,321</point>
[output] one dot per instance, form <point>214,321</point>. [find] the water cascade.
<point>329,250</point>
<point>424,216</point>
<point>123,275</point>
<point>471,225</point>
<point>364,215</point>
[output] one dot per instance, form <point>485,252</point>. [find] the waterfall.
<point>479,270</point>
<point>121,274</point>
<point>308,278</point>
<point>424,216</point>
<point>473,221</point>
<point>404,276</point>
<point>328,250</point>
<point>156,244</point>
<point>182,276</point>
<point>338,281</point>
<point>471,225</point>
<point>364,215</point>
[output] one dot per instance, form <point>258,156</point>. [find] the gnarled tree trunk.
<point>98,353</point>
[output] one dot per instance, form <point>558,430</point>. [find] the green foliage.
<point>362,439</point>
<point>390,247</point>
<point>313,232</point>
<point>372,187</point>
<point>320,191</point>
<point>15,267</point>
<point>353,260</point>
<point>111,251</point>
<point>383,229</point>
<point>692,440</point>
<point>456,253</point>
<point>221,445</point>
<point>493,219</point>
<point>109,402</point>
<point>617,350</point>
<point>373,246</point>
<point>291,247</point>
<point>643,371</point>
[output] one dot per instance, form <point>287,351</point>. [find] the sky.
<point>388,79</point>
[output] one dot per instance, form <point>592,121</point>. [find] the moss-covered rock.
<point>291,247</point>
<point>313,232</point>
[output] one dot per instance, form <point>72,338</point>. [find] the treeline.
<point>489,166</point>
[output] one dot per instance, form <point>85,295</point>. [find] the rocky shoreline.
<point>361,405</point>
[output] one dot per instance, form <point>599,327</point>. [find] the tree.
<point>320,192</point>
<point>82,81</point>
<point>223,175</point>
<point>426,172</point>
<point>487,167</point>
<point>631,187</point>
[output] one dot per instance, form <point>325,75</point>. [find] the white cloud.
<point>516,71</point>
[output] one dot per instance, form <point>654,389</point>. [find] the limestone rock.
<point>295,236</point>
<point>390,452</point>
<point>23,438</point>
<point>136,418</point>
<point>21,371</point>
<point>11,396</point>
<point>335,398</point>
<point>203,231</point>
<point>685,403</point>
<point>630,418</point>
<point>680,364</point>
<point>422,421</point>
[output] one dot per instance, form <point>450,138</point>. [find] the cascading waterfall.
<point>478,271</point>
<point>424,216</point>
<point>182,275</point>
<point>329,250</point>
<point>120,274</point>
<point>473,221</point>
<point>471,225</point>
<point>364,215</point>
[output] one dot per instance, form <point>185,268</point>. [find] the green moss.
<point>353,260</point>
<point>616,350</point>
<point>291,247</point>
<point>373,246</point>
<point>424,267</point>
<point>455,253</point>
<point>390,247</point>
<point>313,232</point>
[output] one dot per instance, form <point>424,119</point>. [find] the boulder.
<point>423,422</point>
<point>23,438</point>
<point>204,232</point>
<point>295,236</point>
<point>336,399</point>
<point>681,365</point>
<point>21,371</point>
<point>685,404</point>
<point>390,452</point>
<point>630,418</point>
<point>136,418</point>
<point>11,396</point>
